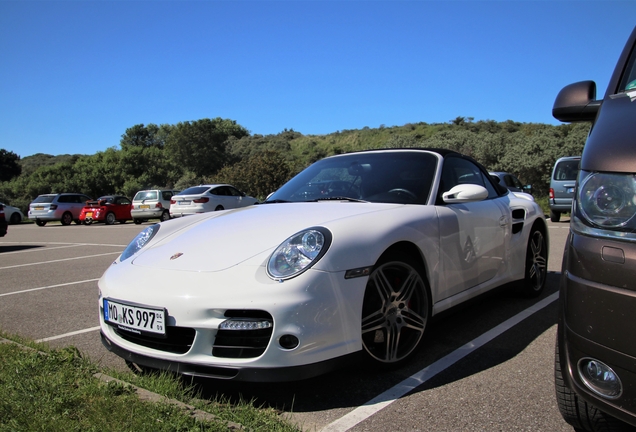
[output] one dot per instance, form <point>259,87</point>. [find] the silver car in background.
<point>63,207</point>
<point>152,204</point>
<point>562,185</point>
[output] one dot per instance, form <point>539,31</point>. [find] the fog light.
<point>244,324</point>
<point>600,378</point>
<point>288,341</point>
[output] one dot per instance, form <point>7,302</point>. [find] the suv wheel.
<point>555,216</point>
<point>164,216</point>
<point>137,221</point>
<point>39,222</point>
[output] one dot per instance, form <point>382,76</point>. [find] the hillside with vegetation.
<point>221,150</point>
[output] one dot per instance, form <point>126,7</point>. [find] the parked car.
<point>300,284</point>
<point>595,362</point>
<point>511,182</point>
<point>63,207</point>
<point>12,214</point>
<point>108,209</point>
<point>152,204</point>
<point>562,185</point>
<point>207,198</point>
<point>3,222</point>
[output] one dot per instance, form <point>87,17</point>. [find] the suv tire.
<point>555,216</point>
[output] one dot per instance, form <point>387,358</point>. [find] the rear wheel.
<point>555,216</point>
<point>15,218</point>
<point>219,207</point>
<point>137,221</point>
<point>67,218</point>
<point>395,311</point>
<point>536,263</point>
<point>40,223</point>
<point>164,216</point>
<point>110,219</point>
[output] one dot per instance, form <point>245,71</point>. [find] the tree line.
<point>222,151</point>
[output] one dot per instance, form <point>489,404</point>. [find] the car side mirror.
<point>527,188</point>
<point>576,102</point>
<point>464,193</point>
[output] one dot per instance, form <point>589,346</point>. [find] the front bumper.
<point>322,310</point>
<point>597,319</point>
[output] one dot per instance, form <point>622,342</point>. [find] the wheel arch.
<point>410,249</point>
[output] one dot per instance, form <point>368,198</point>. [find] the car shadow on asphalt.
<point>16,248</point>
<point>356,385</point>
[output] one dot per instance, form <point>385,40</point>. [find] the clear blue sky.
<point>74,75</point>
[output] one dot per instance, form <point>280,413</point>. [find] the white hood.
<point>219,240</point>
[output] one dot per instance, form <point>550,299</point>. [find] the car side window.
<point>166,195</point>
<point>233,191</point>
<point>458,171</point>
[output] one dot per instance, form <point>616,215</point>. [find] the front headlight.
<point>139,242</point>
<point>606,205</point>
<point>298,253</point>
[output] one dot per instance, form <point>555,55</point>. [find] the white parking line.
<point>47,287</point>
<point>40,250</point>
<point>68,334</point>
<point>60,260</point>
<point>391,395</point>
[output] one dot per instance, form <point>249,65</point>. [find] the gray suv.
<point>562,183</point>
<point>595,361</point>
<point>152,204</point>
<point>63,207</point>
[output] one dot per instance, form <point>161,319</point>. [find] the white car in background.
<point>13,215</point>
<point>207,198</point>
<point>346,262</point>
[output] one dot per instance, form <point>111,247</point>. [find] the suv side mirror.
<point>576,102</point>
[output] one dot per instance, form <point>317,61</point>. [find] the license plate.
<point>39,208</point>
<point>89,214</point>
<point>184,202</point>
<point>570,190</point>
<point>144,206</point>
<point>135,319</point>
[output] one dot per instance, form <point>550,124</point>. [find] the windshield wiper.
<point>340,198</point>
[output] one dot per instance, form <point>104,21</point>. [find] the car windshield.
<point>44,199</point>
<point>145,195</point>
<point>403,177</point>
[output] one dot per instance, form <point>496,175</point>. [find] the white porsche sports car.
<point>346,262</point>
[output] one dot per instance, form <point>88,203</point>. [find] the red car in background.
<point>108,209</point>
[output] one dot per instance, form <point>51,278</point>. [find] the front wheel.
<point>395,311</point>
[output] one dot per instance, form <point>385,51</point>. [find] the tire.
<point>164,216</point>
<point>40,223</point>
<point>536,263</point>
<point>110,219</point>
<point>67,218</point>
<point>137,221</point>
<point>581,415</point>
<point>15,219</point>
<point>219,207</point>
<point>555,216</point>
<point>395,311</point>
<point>122,221</point>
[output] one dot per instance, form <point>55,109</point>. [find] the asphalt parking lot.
<point>487,366</point>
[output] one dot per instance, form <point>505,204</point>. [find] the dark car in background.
<point>595,361</point>
<point>511,182</point>
<point>3,222</point>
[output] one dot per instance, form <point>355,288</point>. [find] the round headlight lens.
<point>607,200</point>
<point>139,242</point>
<point>297,254</point>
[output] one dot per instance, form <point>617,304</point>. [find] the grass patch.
<point>56,391</point>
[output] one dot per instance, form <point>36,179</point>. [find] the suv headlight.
<point>139,242</point>
<point>606,205</point>
<point>298,253</point>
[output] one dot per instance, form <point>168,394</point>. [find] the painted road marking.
<point>60,260</point>
<point>391,395</point>
<point>47,287</point>
<point>68,334</point>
